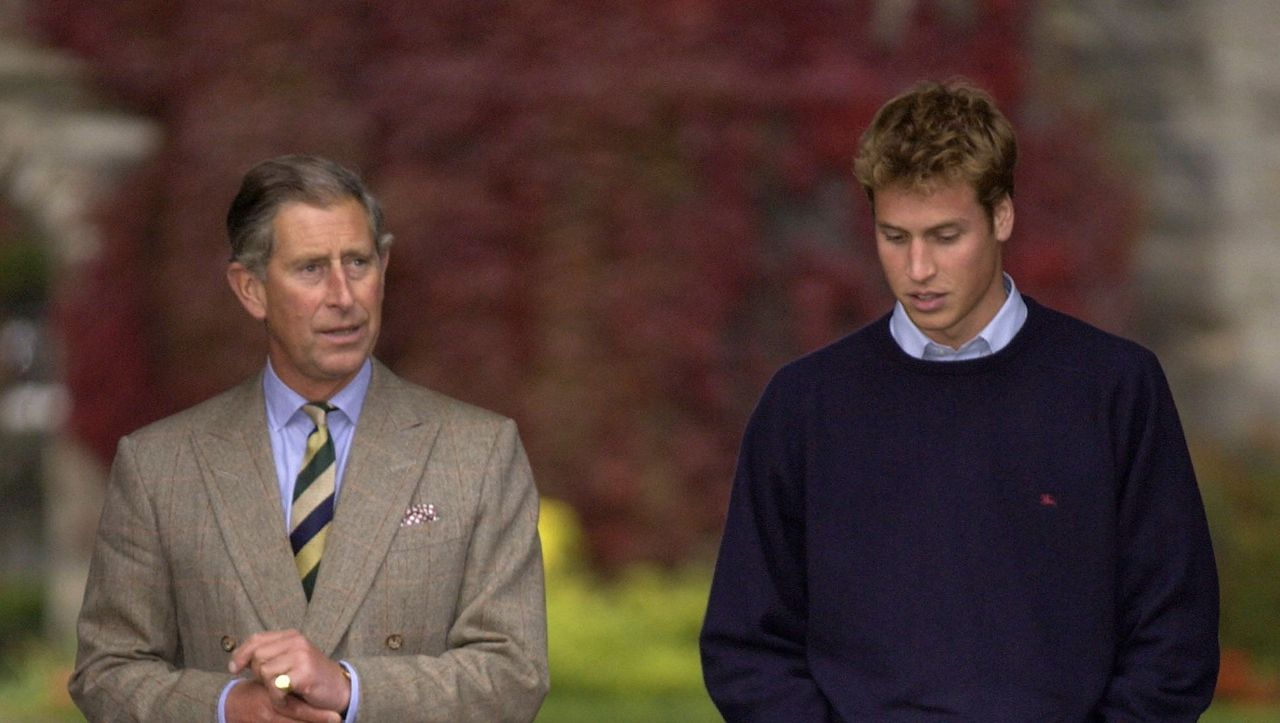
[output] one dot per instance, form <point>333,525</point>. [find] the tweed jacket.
<point>443,620</point>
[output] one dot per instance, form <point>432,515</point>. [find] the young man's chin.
<point>932,323</point>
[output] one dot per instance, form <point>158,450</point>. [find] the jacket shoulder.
<point>200,415</point>
<point>429,403</point>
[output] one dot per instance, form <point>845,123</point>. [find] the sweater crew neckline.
<point>893,353</point>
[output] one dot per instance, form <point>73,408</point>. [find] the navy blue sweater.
<point>1013,538</point>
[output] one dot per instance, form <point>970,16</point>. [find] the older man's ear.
<point>249,289</point>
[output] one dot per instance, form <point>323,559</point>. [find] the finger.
<point>298,709</point>
<point>253,644</point>
<point>275,655</point>
<point>284,678</point>
<point>250,701</point>
<point>296,657</point>
<point>279,689</point>
<point>267,668</point>
<point>291,671</point>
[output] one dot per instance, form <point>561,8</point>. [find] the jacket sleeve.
<point>495,668</point>
<point>753,638</point>
<point>1167,659</point>
<point>127,631</point>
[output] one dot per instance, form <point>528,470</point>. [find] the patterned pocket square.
<point>418,514</point>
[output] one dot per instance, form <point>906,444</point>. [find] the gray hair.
<point>286,179</point>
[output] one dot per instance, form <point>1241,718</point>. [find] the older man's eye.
<point>309,270</point>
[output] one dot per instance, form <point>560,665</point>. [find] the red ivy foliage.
<point>614,219</point>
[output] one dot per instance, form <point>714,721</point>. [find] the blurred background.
<point>614,220</point>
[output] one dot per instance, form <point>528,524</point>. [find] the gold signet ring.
<point>282,683</point>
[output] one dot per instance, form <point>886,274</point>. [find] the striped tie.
<point>313,498</point>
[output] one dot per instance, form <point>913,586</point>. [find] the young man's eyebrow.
<point>956,223</point>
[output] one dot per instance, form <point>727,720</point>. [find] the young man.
<point>975,508</point>
<point>326,541</point>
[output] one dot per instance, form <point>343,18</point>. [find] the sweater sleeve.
<point>753,638</point>
<point>1167,658</point>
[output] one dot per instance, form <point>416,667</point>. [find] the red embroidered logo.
<point>1047,500</point>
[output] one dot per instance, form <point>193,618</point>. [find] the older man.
<point>325,541</point>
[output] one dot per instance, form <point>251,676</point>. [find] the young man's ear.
<point>249,289</point>
<point>1002,218</point>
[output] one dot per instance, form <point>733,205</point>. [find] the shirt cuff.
<point>354,704</point>
<point>222,699</point>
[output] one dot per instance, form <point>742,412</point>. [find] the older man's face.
<point>321,296</point>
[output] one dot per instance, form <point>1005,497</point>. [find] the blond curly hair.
<point>939,133</point>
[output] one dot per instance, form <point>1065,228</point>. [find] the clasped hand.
<point>318,688</point>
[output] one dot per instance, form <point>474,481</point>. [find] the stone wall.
<point>1243,239</point>
<point>61,150</point>
<point>1189,94</point>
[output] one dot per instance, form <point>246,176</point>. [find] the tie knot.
<point>318,411</point>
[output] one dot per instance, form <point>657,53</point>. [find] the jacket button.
<point>228,643</point>
<point>394,641</point>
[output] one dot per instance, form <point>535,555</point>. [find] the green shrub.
<point>1241,489</point>
<point>624,648</point>
<point>34,688</point>
<point>24,271</point>
<point>21,616</point>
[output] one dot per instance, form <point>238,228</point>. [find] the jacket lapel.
<point>388,454</point>
<point>240,476</point>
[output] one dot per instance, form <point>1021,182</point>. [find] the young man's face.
<point>321,297</point>
<point>941,256</point>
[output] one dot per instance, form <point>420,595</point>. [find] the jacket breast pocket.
<point>425,534</point>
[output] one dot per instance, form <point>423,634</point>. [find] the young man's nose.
<point>920,265</point>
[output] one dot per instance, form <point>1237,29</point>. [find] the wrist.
<point>346,677</point>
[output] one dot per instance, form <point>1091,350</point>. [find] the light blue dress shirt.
<point>995,336</point>
<point>288,426</point>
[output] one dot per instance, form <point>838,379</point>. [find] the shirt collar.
<point>995,336</point>
<point>283,403</point>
